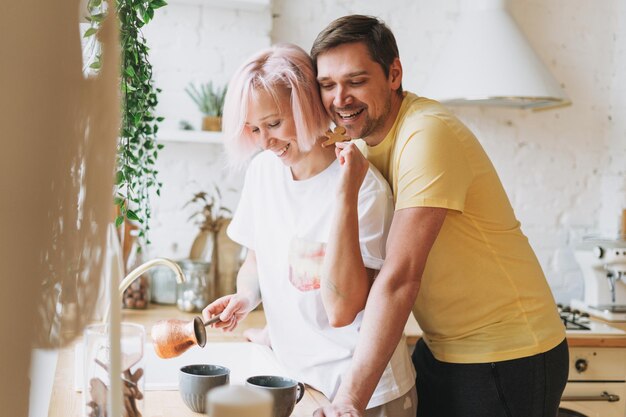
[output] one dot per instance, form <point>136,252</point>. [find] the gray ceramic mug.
<point>195,381</point>
<point>287,392</point>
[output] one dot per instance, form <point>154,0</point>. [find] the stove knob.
<point>598,252</point>
<point>581,365</point>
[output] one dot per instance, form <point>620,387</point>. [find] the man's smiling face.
<point>356,93</point>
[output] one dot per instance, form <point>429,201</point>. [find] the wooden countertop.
<point>66,402</point>
<point>412,330</point>
<point>587,340</point>
<point>413,334</point>
<point>606,342</point>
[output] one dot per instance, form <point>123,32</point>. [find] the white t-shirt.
<point>287,223</point>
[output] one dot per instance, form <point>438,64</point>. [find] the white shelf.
<point>190,136</point>
<point>251,5</point>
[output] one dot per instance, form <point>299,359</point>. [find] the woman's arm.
<point>248,280</point>
<point>235,307</point>
<point>345,280</point>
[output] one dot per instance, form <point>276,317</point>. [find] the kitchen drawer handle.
<point>605,396</point>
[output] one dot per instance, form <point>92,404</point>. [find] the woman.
<point>311,258</point>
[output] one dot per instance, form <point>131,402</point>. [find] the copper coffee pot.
<point>173,337</point>
<point>170,337</point>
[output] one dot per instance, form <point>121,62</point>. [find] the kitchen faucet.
<point>137,272</point>
<point>170,337</point>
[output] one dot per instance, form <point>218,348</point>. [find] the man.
<point>493,343</point>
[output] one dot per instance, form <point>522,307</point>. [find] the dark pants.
<point>525,387</point>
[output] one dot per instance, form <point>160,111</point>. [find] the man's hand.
<point>337,410</point>
<point>343,405</point>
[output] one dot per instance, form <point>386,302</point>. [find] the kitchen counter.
<point>590,341</point>
<point>574,339</point>
<point>583,339</point>
<point>66,402</point>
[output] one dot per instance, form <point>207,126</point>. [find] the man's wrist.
<point>346,396</point>
<point>349,199</point>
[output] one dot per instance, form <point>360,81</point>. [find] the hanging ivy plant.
<point>137,150</point>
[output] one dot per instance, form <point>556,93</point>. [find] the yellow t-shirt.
<point>483,295</point>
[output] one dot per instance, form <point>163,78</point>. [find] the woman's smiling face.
<point>270,123</point>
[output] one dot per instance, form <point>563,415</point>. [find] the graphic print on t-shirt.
<point>305,263</point>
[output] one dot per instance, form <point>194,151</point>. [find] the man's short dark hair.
<point>369,30</point>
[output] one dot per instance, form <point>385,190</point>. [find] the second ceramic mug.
<point>286,392</point>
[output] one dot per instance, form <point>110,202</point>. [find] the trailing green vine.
<point>137,150</point>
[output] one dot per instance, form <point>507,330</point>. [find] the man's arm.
<point>345,281</point>
<point>412,234</point>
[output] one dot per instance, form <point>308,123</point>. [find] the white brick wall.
<point>194,43</point>
<point>564,169</point>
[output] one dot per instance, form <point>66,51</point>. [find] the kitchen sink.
<point>244,359</point>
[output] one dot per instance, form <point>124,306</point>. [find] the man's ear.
<point>395,74</point>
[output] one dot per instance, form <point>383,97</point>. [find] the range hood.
<point>489,62</point>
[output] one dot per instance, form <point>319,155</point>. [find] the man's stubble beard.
<point>372,126</point>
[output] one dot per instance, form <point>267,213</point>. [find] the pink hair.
<point>278,67</point>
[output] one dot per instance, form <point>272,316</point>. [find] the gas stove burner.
<point>611,308</point>
<point>570,325</point>
<point>573,319</point>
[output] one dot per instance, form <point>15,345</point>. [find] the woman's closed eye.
<point>255,129</point>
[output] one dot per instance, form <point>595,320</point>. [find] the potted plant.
<point>210,102</point>
<point>137,149</point>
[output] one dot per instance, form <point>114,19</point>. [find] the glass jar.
<point>96,375</point>
<point>198,289</point>
<point>162,285</point>
<point>137,295</point>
